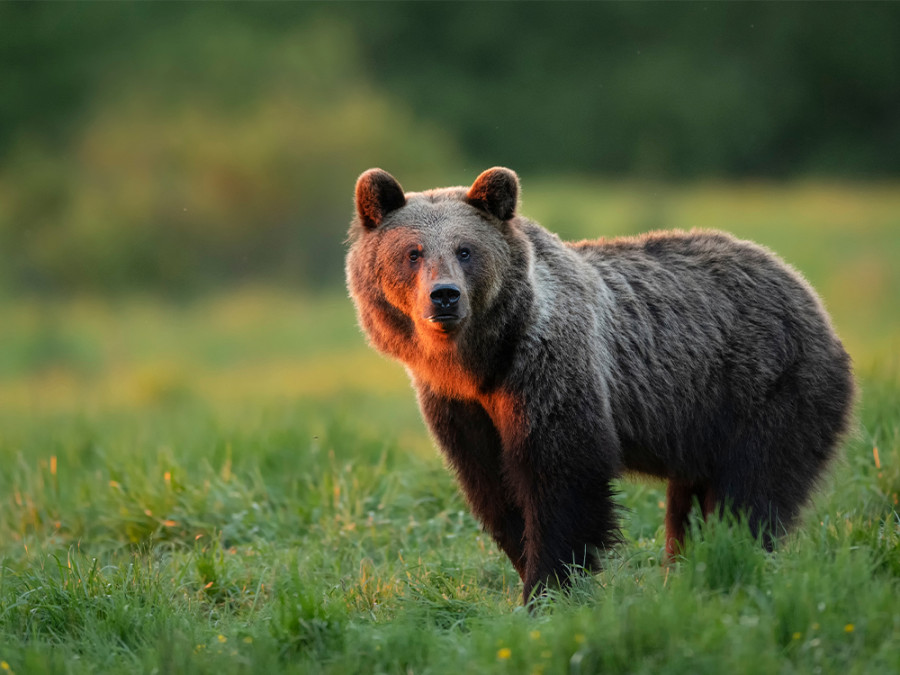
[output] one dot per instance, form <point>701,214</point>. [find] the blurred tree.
<point>696,89</point>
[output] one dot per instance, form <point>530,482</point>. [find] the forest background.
<point>154,147</point>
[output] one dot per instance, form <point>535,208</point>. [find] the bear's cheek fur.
<point>399,285</point>
<point>390,269</point>
<point>483,277</point>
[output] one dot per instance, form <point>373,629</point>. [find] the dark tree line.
<point>678,89</point>
<point>170,145</point>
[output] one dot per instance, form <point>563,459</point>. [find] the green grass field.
<point>238,485</point>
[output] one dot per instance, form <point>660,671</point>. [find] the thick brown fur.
<point>545,369</point>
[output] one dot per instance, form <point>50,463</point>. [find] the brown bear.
<point>544,369</point>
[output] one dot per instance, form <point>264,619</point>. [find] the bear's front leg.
<point>562,480</point>
<point>471,443</point>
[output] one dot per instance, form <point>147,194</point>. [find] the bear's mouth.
<point>446,323</point>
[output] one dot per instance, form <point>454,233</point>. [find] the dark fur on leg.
<point>472,445</point>
<point>570,514</point>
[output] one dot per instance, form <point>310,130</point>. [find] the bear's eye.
<point>464,253</point>
<point>414,255</point>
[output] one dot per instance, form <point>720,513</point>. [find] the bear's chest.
<point>445,374</point>
<point>447,377</point>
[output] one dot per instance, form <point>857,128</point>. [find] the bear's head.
<point>422,264</point>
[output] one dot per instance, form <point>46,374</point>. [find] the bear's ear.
<point>495,191</point>
<point>377,194</point>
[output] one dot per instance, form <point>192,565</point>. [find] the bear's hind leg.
<point>781,452</point>
<point>680,497</point>
<point>768,493</point>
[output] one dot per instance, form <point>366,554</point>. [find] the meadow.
<point>236,484</point>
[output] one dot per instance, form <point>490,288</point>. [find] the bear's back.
<point>705,276</point>
<point>704,327</point>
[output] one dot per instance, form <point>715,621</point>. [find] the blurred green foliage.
<point>174,146</point>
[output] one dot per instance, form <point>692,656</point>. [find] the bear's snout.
<point>446,306</point>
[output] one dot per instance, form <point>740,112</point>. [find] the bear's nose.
<point>445,296</point>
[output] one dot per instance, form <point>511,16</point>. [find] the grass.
<point>238,485</point>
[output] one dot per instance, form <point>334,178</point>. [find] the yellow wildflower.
<point>504,653</point>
